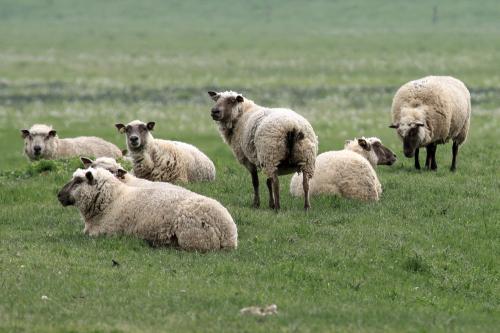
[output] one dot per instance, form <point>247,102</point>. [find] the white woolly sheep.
<point>162,160</point>
<point>157,215</point>
<point>350,172</point>
<point>116,169</point>
<point>41,142</point>
<point>278,141</point>
<point>431,111</point>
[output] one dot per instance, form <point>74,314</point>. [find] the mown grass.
<point>425,258</point>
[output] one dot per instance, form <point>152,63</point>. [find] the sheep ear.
<point>151,125</point>
<point>120,173</point>
<point>124,152</point>
<point>120,128</point>
<point>214,95</point>
<point>52,133</point>
<point>364,144</point>
<point>419,124</point>
<point>25,133</point>
<point>87,162</point>
<point>89,176</point>
<point>239,99</point>
<point>393,125</point>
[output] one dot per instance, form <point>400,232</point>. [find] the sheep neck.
<point>228,128</point>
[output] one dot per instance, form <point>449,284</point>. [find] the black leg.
<point>305,186</point>
<point>428,157</point>
<point>255,183</point>
<point>417,162</point>
<point>433,157</point>
<point>276,191</point>
<point>269,183</point>
<point>454,150</point>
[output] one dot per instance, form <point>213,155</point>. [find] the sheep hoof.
<point>256,204</point>
<point>453,169</point>
<point>307,207</point>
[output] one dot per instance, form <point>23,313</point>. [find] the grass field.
<point>425,258</point>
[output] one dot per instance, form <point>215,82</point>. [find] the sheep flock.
<point>149,201</point>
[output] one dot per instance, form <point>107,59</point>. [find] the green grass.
<point>425,258</point>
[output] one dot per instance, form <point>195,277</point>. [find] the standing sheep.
<point>162,160</point>
<point>431,111</point>
<point>42,142</point>
<point>350,172</point>
<point>279,141</point>
<point>159,216</point>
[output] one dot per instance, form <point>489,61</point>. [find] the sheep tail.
<point>292,137</point>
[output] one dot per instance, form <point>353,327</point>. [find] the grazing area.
<point>425,257</point>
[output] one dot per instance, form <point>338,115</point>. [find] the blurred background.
<point>72,63</point>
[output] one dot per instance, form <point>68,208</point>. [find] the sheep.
<point>157,215</point>
<point>41,142</point>
<point>162,160</point>
<point>431,111</point>
<point>278,141</point>
<point>372,149</point>
<point>350,172</point>
<point>116,169</point>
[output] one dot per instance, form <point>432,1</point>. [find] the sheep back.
<point>163,217</point>
<point>266,140</point>
<point>86,146</point>
<point>344,173</point>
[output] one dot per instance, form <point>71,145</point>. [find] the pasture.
<point>424,258</point>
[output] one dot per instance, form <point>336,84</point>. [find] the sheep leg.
<point>433,158</point>
<point>430,162</point>
<point>305,186</point>
<point>255,183</point>
<point>454,150</point>
<point>417,162</point>
<point>428,156</point>
<point>269,183</point>
<point>276,191</point>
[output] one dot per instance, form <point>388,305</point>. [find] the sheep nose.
<point>37,149</point>
<point>134,139</point>
<point>215,112</point>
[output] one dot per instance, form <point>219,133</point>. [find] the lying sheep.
<point>372,149</point>
<point>162,160</point>
<point>279,141</point>
<point>42,142</point>
<point>116,169</point>
<point>350,172</point>
<point>431,111</point>
<point>157,215</point>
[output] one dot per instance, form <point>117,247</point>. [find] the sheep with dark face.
<point>431,111</point>
<point>158,215</point>
<point>372,149</point>
<point>349,172</point>
<point>41,142</point>
<point>164,160</point>
<point>278,141</point>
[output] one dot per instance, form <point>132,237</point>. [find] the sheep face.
<point>372,149</point>
<point>412,133</point>
<point>79,190</point>
<point>226,105</point>
<point>385,156</point>
<point>106,163</point>
<point>138,134</point>
<point>39,141</point>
